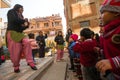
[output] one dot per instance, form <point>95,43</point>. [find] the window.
<point>53,24</point>
<point>37,25</point>
<point>46,24</point>
<point>57,23</point>
<point>85,23</point>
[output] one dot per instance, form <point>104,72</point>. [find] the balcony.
<point>5,3</point>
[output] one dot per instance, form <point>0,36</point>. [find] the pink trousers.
<point>17,48</point>
<point>59,54</point>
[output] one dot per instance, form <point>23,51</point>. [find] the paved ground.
<point>70,74</point>
<point>58,71</point>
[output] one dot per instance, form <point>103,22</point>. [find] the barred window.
<point>85,23</point>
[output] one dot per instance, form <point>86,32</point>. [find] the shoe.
<point>17,70</point>
<point>33,67</point>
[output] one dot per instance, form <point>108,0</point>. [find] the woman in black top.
<point>41,42</point>
<point>59,45</point>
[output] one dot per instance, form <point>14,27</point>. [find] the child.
<point>34,45</point>
<point>88,57</point>
<point>110,17</point>
<point>72,40</point>
<point>60,45</point>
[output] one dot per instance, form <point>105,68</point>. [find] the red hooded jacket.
<point>111,45</point>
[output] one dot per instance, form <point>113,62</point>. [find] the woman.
<point>17,42</point>
<point>60,45</point>
<point>41,41</point>
<point>69,33</point>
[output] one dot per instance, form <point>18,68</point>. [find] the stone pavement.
<point>7,71</point>
<point>70,75</point>
<point>58,71</point>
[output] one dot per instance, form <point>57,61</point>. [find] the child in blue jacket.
<point>72,40</point>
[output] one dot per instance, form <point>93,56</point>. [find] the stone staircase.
<point>7,71</point>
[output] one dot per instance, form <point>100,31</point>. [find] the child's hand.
<point>96,49</point>
<point>103,65</point>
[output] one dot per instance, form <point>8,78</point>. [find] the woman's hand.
<point>103,65</point>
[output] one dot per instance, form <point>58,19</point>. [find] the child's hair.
<point>92,33</point>
<point>97,37</point>
<point>86,32</point>
<point>31,35</point>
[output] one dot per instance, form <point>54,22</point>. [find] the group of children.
<point>82,50</point>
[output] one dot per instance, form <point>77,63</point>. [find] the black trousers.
<point>34,51</point>
<point>42,52</point>
<point>71,62</point>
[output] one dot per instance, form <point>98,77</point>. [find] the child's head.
<point>31,36</point>
<point>85,33</point>
<point>110,10</point>
<point>73,37</point>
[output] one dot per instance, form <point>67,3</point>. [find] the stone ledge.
<point>6,69</point>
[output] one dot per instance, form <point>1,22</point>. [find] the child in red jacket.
<point>88,58</point>
<point>110,17</point>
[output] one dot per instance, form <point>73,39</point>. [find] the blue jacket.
<point>71,52</point>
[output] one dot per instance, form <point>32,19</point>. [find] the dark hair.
<point>59,32</point>
<point>17,6</point>
<point>92,33</point>
<point>97,37</point>
<point>69,30</point>
<point>86,32</point>
<point>31,35</point>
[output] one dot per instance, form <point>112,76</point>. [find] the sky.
<point>38,8</point>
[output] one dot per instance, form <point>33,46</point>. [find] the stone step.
<point>6,69</point>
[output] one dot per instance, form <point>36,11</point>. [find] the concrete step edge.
<point>31,75</point>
